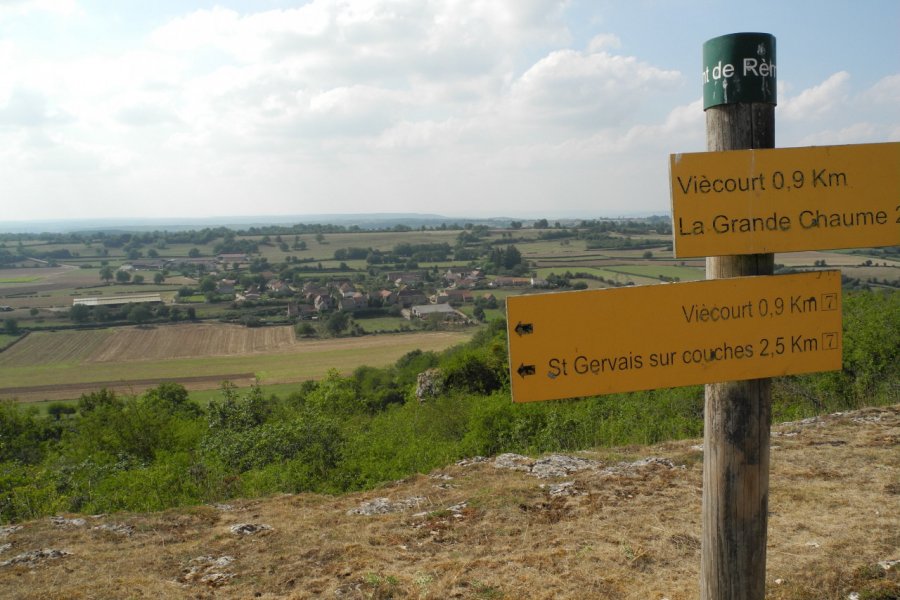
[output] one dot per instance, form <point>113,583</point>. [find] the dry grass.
<point>628,533</point>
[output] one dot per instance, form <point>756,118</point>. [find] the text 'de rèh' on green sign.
<point>785,199</point>
<point>571,344</point>
<point>739,68</point>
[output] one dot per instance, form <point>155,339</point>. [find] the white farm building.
<point>118,300</point>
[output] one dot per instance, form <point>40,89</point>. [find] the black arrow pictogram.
<point>524,328</point>
<point>525,370</point>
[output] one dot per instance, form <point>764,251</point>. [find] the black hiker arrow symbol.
<point>524,328</point>
<point>524,370</point>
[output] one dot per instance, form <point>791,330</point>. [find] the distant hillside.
<point>363,221</point>
<point>621,523</point>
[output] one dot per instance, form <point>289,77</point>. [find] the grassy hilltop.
<point>618,523</point>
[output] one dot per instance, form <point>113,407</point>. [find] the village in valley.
<point>399,277</point>
<point>237,300</point>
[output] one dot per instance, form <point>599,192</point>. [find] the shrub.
<point>22,434</point>
<point>311,439</point>
<point>236,412</point>
<point>475,371</point>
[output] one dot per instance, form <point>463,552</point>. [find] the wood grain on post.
<point>737,414</point>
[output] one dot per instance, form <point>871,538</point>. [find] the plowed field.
<point>55,348</point>
<point>191,340</point>
<point>132,343</point>
<point>59,365</point>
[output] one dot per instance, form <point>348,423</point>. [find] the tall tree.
<point>79,313</point>
<point>337,322</point>
<point>139,314</point>
<point>107,273</point>
<point>11,326</point>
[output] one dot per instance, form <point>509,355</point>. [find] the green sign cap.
<point>739,68</point>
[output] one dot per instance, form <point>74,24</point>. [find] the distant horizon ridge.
<point>364,220</point>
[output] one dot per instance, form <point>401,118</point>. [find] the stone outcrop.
<point>249,528</point>
<point>553,465</point>
<point>429,384</point>
<point>34,557</point>
<point>381,506</point>
<point>209,570</point>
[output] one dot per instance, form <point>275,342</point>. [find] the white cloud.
<point>833,113</point>
<point>423,134</point>
<point>593,90</point>
<point>30,109</point>
<point>405,95</point>
<point>856,133</point>
<point>885,92</point>
<point>360,70</point>
<point>390,101</point>
<point>818,101</point>
<point>684,130</point>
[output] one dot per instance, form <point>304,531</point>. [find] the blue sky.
<point>519,108</point>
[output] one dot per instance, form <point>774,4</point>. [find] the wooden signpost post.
<point>737,415</point>
<point>735,205</point>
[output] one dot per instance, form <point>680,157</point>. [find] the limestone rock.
<point>5,531</point>
<point>560,465</point>
<point>513,462</point>
<point>34,557</point>
<point>429,384</point>
<point>208,570</point>
<point>381,506</point>
<point>566,488</point>
<point>889,564</point>
<point>118,528</point>
<point>631,468</point>
<point>468,462</point>
<point>249,528</point>
<point>64,522</point>
<point>554,465</point>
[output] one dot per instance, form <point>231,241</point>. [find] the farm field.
<point>607,273</point>
<point>877,273</point>
<point>555,248</point>
<point>382,324</point>
<point>654,271</point>
<point>832,259</point>
<point>647,270</point>
<point>7,339</point>
<point>77,360</point>
<point>58,286</point>
<point>63,348</point>
<point>377,240</point>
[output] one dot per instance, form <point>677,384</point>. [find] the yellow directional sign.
<point>572,344</point>
<point>785,199</point>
